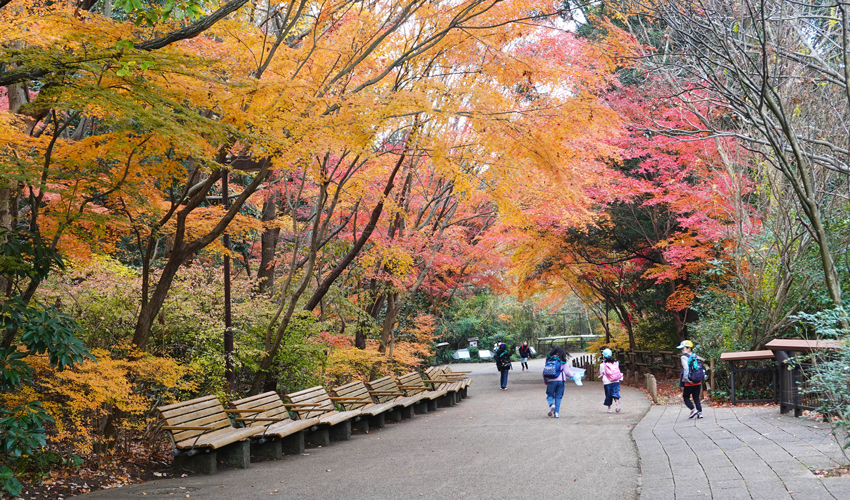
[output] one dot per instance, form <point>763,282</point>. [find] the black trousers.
<point>689,392</point>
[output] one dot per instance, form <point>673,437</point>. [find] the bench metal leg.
<point>293,444</point>
<point>237,454</point>
<point>378,421</point>
<point>320,437</point>
<point>432,405</point>
<point>202,463</point>
<point>272,449</point>
<point>341,431</point>
<point>407,412</point>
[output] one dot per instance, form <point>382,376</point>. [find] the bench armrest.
<point>187,428</point>
<point>255,410</point>
<point>351,400</point>
<point>265,419</point>
<point>414,386</point>
<point>383,393</point>
<point>302,405</point>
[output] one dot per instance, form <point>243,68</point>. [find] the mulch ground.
<point>138,464</point>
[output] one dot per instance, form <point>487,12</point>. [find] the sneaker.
<point>699,414</point>
<point>609,410</point>
<point>693,413</point>
<point>551,410</point>
<point>618,406</point>
<point>557,415</point>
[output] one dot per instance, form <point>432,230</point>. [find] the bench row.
<point>203,432</point>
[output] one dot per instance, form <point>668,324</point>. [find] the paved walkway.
<point>501,444</point>
<point>736,453</point>
<point>495,444</point>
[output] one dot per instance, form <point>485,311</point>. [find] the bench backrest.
<point>385,384</point>
<point>353,390</point>
<point>317,396</point>
<point>433,373</point>
<point>412,383</point>
<point>204,412</point>
<point>269,400</point>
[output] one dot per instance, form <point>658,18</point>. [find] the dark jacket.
<point>524,351</point>
<point>503,359</point>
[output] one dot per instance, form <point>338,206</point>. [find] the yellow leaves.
<point>80,398</point>
<point>680,299</point>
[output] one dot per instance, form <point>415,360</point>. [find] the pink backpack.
<point>612,371</point>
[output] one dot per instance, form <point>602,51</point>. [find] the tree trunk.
<point>389,321</point>
<point>265,273</point>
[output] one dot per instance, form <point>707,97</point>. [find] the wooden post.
<point>711,367</point>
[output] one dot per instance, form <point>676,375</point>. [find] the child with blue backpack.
<point>609,372</point>
<point>693,374</point>
<point>556,371</point>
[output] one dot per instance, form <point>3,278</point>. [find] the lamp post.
<point>228,318</point>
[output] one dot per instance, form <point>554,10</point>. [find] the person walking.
<point>555,385</point>
<point>690,390</point>
<point>503,363</point>
<point>609,372</point>
<point>524,353</point>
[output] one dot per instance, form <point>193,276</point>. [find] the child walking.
<point>555,385</point>
<point>689,389</point>
<point>524,353</point>
<point>609,372</point>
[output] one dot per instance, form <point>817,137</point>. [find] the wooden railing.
<point>635,364</point>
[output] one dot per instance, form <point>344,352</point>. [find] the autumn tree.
<point>772,74</point>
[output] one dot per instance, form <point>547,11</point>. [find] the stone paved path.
<point>736,453</point>
<point>501,444</point>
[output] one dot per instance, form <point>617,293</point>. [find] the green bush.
<point>829,375</point>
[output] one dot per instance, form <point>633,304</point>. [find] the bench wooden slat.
<point>186,406</point>
<point>325,410</point>
<point>275,421</point>
<point>189,423</point>
<point>365,405</point>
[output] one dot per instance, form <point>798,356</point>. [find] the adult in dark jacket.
<point>524,353</point>
<point>503,363</point>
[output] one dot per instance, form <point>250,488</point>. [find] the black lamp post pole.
<point>228,319</point>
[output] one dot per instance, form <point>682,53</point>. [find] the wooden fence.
<point>635,364</point>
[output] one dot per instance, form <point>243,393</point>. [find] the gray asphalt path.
<point>494,444</point>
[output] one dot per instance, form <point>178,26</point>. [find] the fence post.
<point>652,387</point>
<point>711,367</point>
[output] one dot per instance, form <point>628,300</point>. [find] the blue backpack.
<point>696,370</point>
<point>552,368</point>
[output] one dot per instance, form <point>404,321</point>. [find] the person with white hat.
<point>689,389</point>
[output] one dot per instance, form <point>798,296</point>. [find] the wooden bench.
<point>412,384</point>
<point>355,396</point>
<point>386,390</point>
<point>201,432</point>
<point>435,377</point>
<point>315,402</point>
<point>276,433</point>
<point>461,377</point>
